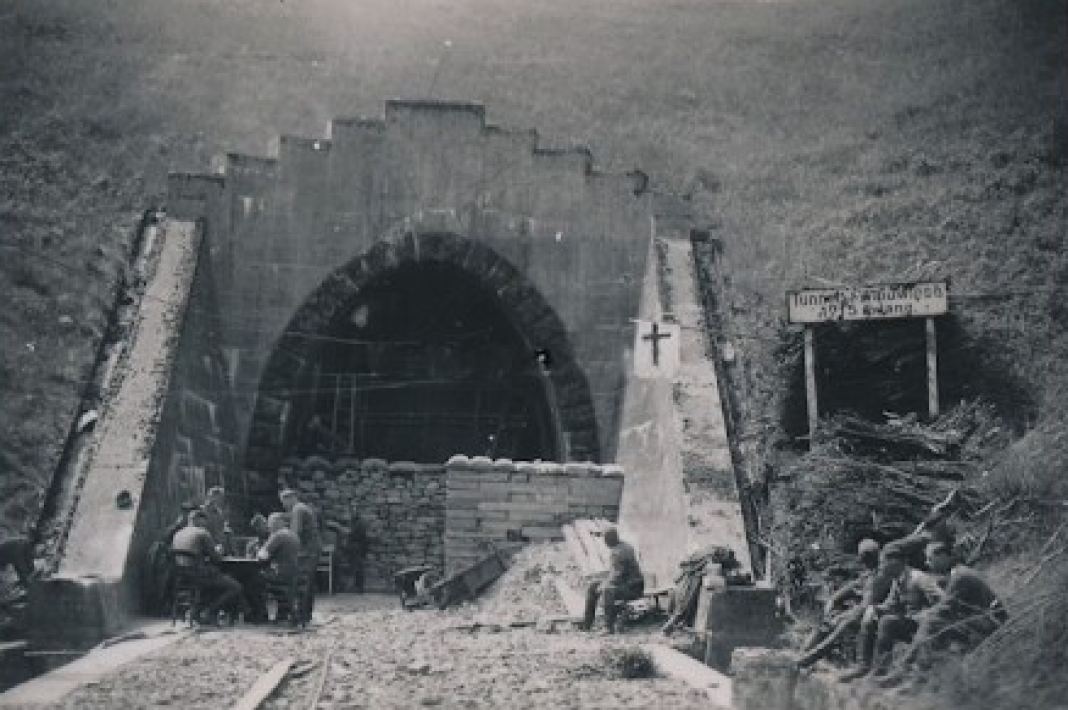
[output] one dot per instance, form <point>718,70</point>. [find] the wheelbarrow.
<point>413,593</point>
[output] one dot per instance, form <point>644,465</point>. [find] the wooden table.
<point>246,570</point>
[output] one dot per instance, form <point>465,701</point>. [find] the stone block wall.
<point>400,506</point>
<point>501,501</point>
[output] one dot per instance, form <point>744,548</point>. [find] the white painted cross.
<point>656,349</point>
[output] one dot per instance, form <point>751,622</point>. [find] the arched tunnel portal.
<point>427,346</point>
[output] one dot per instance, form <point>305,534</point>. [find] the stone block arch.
<point>544,335</point>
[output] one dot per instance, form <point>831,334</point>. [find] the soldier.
<point>624,583</point>
<point>966,613</point>
<point>194,539</point>
<point>261,529</point>
<point>869,589</point>
<point>895,619</point>
<point>282,552</point>
<point>17,552</point>
<point>305,523</point>
<point>217,525</point>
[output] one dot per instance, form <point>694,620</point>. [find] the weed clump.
<point>629,662</point>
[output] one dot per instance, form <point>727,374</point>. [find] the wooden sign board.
<point>861,303</point>
<point>904,300</point>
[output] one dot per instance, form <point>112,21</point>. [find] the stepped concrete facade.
<point>430,274</point>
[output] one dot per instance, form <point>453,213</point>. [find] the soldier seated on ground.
<point>17,552</point>
<point>683,601</point>
<point>895,619</point>
<point>282,553</point>
<point>624,583</point>
<point>967,612</point>
<point>194,546</point>
<point>884,624</point>
<point>844,611</point>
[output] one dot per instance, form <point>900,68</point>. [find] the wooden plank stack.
<point>585,541</point>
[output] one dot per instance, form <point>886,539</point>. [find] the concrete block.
<point>580,470</point>
<point>527,467</point>
<point>497,490</point>
<point>493,477</point>
<point>533,517</point>
<point>76,613</point>
<point>465,494</point>
<point>461,514</point>
<point>595,491</point>
<point>542,533</point>
<point>764,679</point>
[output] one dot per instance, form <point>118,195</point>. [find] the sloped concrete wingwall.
<point>197,441</point>
<point>279,226</point>
<point>166,430</point>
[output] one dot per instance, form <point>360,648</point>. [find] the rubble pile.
<point>527,591</point>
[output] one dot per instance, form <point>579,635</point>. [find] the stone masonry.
<point>400,505</point>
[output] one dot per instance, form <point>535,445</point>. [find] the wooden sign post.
<point>810,380</point>
<point>862,303</point>
<point>932,368</point>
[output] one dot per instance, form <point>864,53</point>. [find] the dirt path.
<point>383,657</point>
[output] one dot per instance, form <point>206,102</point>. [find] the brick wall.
<point>495,501</point>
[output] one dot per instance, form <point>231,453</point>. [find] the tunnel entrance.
<point>427,345</point>
<point>420,365</point>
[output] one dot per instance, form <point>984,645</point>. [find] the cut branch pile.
<point>880,480</point>
<point>966,433</point>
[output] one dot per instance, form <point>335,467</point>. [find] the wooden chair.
<point>293,592</point>
<point>188,575</point>
<point>325,565</point>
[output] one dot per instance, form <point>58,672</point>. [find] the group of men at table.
<point>287,544</point>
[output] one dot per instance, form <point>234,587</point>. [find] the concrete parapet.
<point>578,159</point>
<point>190,196</point>
<point>397,109</point>
<point>239,165</point>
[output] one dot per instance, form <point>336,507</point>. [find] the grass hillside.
<point>823,141</point>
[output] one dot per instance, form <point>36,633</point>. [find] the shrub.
<point>629,662</point>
